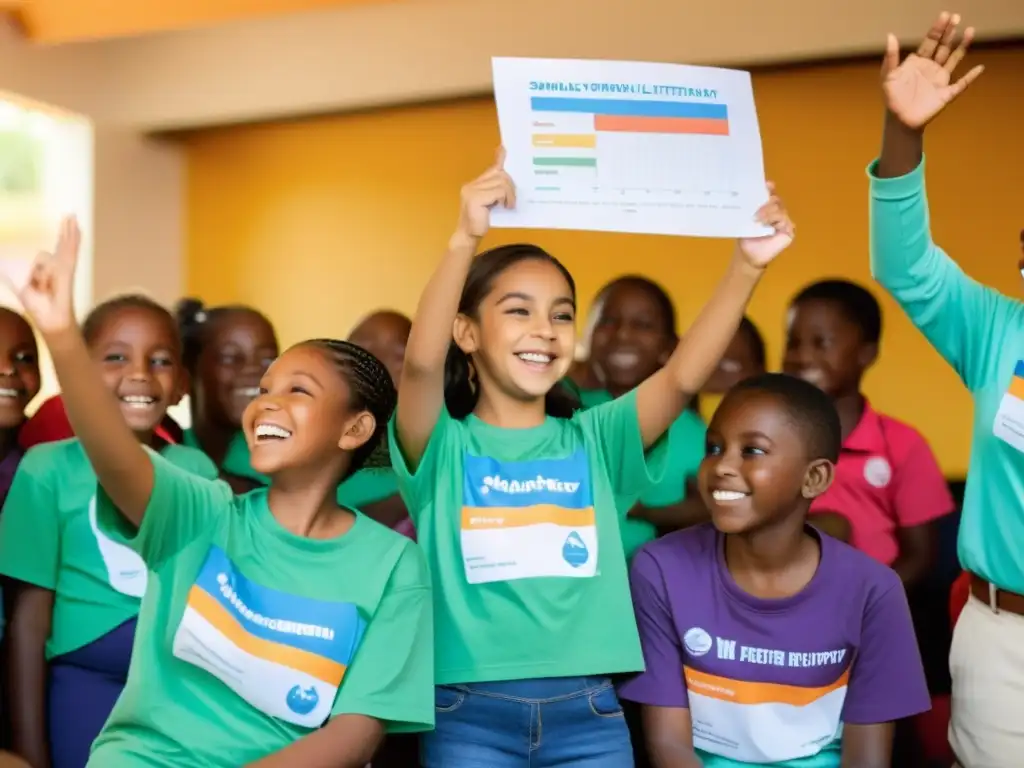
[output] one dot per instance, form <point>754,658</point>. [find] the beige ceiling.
<point>360,55</point>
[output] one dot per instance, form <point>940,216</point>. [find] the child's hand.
<point>919,88</point>
<point>759,251</point>
<point>48,295</point>
<point>494,187</point>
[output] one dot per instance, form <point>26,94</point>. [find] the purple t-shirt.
<point>771,682</point>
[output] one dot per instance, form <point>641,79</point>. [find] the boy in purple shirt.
<point>765,642</point>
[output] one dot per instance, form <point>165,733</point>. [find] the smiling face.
<point>739,362</point>
<point>19,368</point>
<point>237,350</point>
<point>301,418</point>
<point>825,348</point>
<point>140,360</point>
<point>522,337</point>
<point>632,337</point>
<point>757,471</point>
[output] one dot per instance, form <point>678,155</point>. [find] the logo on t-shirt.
<point>697,641</point>
<point>284,654</point>
<point>302,701</point>
<point>575,550</point>
<point>877,471</point>
<point>527,519</point>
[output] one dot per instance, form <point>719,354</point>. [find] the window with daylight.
<point>46,172</point>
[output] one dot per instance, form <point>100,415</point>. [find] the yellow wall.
<point>320,221</point>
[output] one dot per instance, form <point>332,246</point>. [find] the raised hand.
<point>759,251</point>
<point>47,296</point>
<point>921,87</point>
<point>493,187</point>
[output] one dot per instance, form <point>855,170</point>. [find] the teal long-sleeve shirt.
<point>979,332</point>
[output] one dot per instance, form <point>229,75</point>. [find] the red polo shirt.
<point>887,478</point>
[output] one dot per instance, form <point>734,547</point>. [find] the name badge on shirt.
<point>126,570</point>
<point>1009,424</point>
<point>528,519</point>
<point>283,654</point>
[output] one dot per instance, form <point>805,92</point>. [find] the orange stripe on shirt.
<point>1017,387</point>
<point>319,667</point>
<point>743,692</point>
<point>490,518</point>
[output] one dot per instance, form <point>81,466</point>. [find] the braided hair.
<point>460,392</point>
<point>371,389</point>
<point>195,322</point>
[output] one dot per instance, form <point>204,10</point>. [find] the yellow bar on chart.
<point>581,140</point>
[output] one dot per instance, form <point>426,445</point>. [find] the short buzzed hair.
<point>809,408</point>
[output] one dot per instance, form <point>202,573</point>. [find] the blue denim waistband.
<point>538,690</point>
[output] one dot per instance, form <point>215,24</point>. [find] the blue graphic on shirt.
<point>575,551</point>
<point>301,701</point>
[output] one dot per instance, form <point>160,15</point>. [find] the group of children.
<point>212,596</point>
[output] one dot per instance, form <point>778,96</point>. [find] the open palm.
<point>921,87</point>
<point>47,295</point>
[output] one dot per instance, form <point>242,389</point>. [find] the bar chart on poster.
<point>630,147</point>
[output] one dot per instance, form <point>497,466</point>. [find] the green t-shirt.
<point>226,668</point>
<point>521,531</point>
<point>685,453</point>
<point>236,459</point>
<point>364,487</point>
<point>49,537</point>
<point>368,486</point>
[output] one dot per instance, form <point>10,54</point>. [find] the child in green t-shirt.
<point>78,589</point>
<point>517,497</point>
<point>226,350</point>
<point>633,336</point>
<point>278,629</point>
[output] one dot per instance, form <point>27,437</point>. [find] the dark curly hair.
<point>196,321</point>
<point>459,393</point>
<point>101,313</point>
<point>371,389</point>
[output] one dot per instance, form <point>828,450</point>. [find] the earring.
<point>472,376</point>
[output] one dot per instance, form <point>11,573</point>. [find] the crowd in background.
<point>679,458</point>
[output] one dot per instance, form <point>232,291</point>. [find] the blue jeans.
<point>571,722</point>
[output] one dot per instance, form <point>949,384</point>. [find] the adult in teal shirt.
<point>981,334</point>
<point>517,497</point>
<point>633,335</point>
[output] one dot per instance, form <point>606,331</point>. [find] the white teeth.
<point>534,357</point>
<point>140,402</point>
<point>247,391</point>
<point>727,495</point>
<point>812,375</point>
<point>624,359</point>
<point>9,393</point>
<point>271,430</point>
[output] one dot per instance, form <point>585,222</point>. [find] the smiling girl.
<point>279,629</point>
<point>78,589</point>
<point>225,350</point>
<point>516,495</point>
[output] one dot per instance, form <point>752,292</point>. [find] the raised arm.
<point>663,396</point>
<point>120,462</point>
<point>421,394</point>
<point>961,318</point>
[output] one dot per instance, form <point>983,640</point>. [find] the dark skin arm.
<point>389,511</point>
<point>347,741</point>
<point>919,546</point>
<point>867,746</point>
<point>27,671</point>
<point>669,737</point>
<point>690,510</point>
